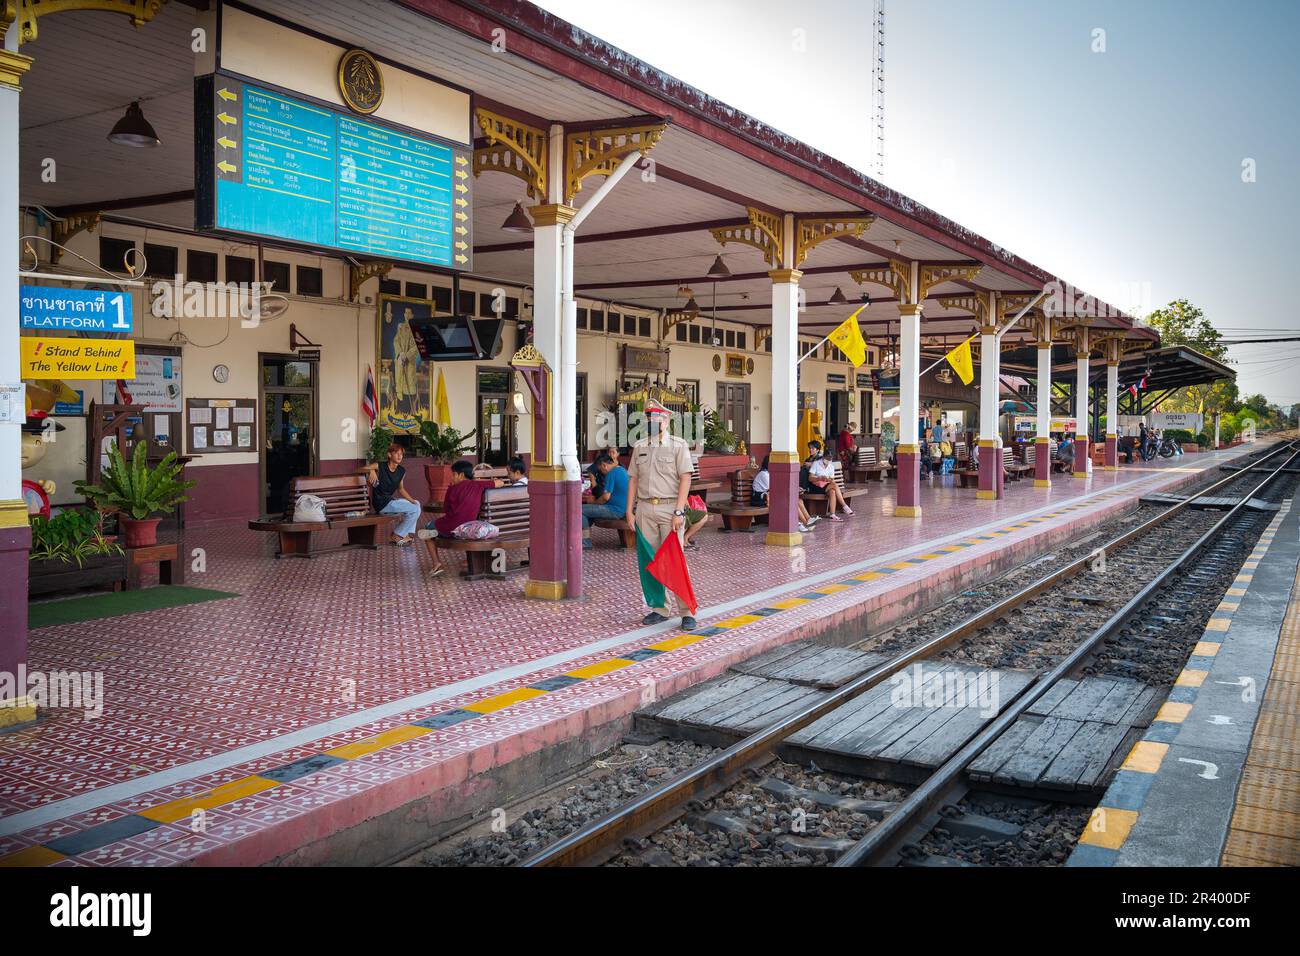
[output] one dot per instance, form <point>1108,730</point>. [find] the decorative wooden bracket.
<point>763,232</point>
<point>761,336</point>
<point>514,148</point>
<point>1011,303</point>
<point>73,223</point>
<point>26,12</point>
<point>896,276</point>
<point>970,302</point>
<point>814,231</point>
<point>599,151</point>
<point>675,317</point>
<point>358,274</point>
<point>932,276</point>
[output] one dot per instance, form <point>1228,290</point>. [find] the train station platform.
<point>337,710</point>
<point>1216,779</point>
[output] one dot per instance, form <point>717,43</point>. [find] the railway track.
<point>1106,616</point>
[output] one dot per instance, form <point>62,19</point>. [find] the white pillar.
<point>785,356</point>
<point>1043,425</point>
<point>989,369</point>
<point>12,64</point>
<point>549,221</point>
<point>15,536</point>
<point>989,457</point>
<point>1112,412</point>
<point>1081,432</point>
<point>909,375</point>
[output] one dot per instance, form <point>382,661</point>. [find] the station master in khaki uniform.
<point>659,482</point>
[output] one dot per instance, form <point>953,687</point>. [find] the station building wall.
<point>228,484</point>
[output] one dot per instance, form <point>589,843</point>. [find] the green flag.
<point>650,586</point>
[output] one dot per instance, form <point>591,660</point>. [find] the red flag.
<point>669,569</point>
<point>368,397</point>
<point>123,396</point>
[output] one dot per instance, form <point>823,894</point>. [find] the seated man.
<point>611,503</point>
<point>517,474</point>
<point>594,470</point>
<point>1065,452</point>
<point>461,504</point>
<point>390,497</point>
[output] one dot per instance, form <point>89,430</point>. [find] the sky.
<point>1144,150</point>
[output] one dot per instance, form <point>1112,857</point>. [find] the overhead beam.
<point>647,232</point>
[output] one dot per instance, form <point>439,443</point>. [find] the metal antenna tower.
<point>878,86</point>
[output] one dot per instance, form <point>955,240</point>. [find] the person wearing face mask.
<point>659,484</point>
<point>821,476</point>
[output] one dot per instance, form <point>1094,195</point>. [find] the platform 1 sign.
<point>50,309</point>
<point>283,167</point>
<point>45,357</point>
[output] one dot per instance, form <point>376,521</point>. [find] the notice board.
<point>218,426</point>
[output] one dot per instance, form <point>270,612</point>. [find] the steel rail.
<point>604,838</point>
<point>885,839</point>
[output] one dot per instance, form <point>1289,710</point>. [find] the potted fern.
<point>137,492</point>
<point>444,445</point>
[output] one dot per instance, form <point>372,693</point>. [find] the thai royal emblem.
<point>360,82</point>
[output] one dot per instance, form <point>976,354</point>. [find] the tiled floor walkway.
<point>256,709</point>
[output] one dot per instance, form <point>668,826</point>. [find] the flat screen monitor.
<point>456,338</point>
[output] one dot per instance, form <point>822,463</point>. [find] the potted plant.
<point>136,492</point>
<point>717,438</point>
<point>73,536</point>
<point>444,445</point>
<point>380,439</point>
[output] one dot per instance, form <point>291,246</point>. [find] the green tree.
<point>1181,323</point>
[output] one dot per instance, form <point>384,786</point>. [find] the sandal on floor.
<point>434,572</point>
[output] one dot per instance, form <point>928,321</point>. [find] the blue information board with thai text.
<point>291,169</point>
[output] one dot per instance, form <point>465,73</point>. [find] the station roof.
<point>645,240</point>
<point>1172,367</point>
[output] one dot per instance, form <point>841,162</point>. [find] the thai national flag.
<point>123,395</point>
<point>368,398</point>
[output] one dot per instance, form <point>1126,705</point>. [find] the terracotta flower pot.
<point>439,478</point>
<point>139,533</point>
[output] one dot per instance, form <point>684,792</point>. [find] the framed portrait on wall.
<point>404,380</point>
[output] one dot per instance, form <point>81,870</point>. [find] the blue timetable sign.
<point>49,309</point>
<point>292,169</point>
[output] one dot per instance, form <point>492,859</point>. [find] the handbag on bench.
<point>309,509</point>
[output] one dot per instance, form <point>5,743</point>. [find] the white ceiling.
<point>89,66</point>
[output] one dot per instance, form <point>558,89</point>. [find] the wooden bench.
<point>344,495</point>
<point>507,508</point>
<point>961,453</point>
<point>698,485</point>
<point>815,501</point>
<point>1013,469</point>
<point>626,535</point>
<point>867,466</point>
<point>169,557</point>
<point>739,512</point>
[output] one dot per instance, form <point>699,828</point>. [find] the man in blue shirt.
<point>611,503</point>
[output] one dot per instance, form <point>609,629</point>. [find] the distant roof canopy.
<point>1168,368</point>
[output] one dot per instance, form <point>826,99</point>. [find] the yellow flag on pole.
<point>960,360</point>
<point>847,337</point>
<point>441,410</point>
